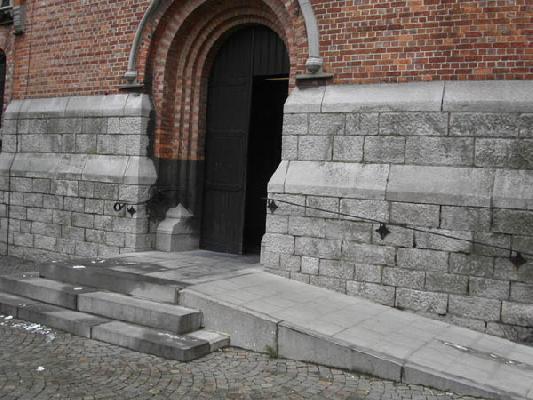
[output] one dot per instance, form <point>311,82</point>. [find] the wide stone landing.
<point>266,313</point>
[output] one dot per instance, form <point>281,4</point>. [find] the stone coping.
<point>118,105</point>
<point>443,96</point>
<point>129,170</point>
<point>474,187</point>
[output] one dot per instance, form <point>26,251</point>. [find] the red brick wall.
<point>376,40</point>
<point>75,47</point>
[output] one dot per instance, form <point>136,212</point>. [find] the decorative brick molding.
<point>65,163</point>
<point>444,158</point>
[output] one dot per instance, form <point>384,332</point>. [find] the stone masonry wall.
<point>449,158</point>
<point>64,163</point>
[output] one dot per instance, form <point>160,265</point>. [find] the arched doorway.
<point>247,88</point>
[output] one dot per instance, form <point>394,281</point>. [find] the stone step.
<point>151,341</point>
<point>134,337</point>
<point>168,317</point>
<point>101,277</point>
<point>44,290</point>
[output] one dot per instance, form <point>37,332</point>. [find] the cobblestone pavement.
<point>39,363</point>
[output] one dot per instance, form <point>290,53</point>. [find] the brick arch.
<point>179,61</point>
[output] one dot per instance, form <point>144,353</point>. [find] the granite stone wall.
<point>64,164</point>
<point>447,166</point>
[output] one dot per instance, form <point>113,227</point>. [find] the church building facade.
<point>381,149</point>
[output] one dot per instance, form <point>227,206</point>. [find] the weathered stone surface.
<point>375,292</point>
<point>318,148</point>
<point>327,124</point>
<point>439,151</point>
<point>521,292</point>
<point>384,149</point>
<point>415,214</point>
<point>339,285</point>
<point>488,96</point>
<point>278,243</point>
<point>494,289</point>
<point>526,125</point>
<point>337,269</point>
<point>413,124</point>
<point>348,148</point>
<point>475,307</point>
<point>440,239</point>
<point>506,153</point>
<point>336,179</point>
<point>289,148</point>
<point>368,273</point>
<point>415,96</point>
<point>504,269</point>
<point>484,124</point>
<point>517,314</point>
<point>289,262</point>
<point>465,218</point>
<point>418,300</point>
<point>310,265</point>
<point>423,260</point>
<point>513,221</point>
<point>471,265</point>
<point>512,332</point>
<point>307,226</point>
<point>513,189</point>
<point>295,124</point>
<point>365,210</point>
<point>322,248</point>
<point>403,278</point>
<point>491,244</point>
<point>349,230</point>
<point>277,223</point>
<point>321,207</point>
<point>440,185</point>
<point>448,283</point>
<point>363,124</point>
<point>368,254</point>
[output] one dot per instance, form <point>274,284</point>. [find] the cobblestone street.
<point>39,363</point>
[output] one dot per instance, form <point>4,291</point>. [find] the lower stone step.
<point>134,337</point>
<point>168,317</point>
<point>151,341</point>
<point>44,290</point>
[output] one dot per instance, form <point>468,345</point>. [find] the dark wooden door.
<point>246,53</point>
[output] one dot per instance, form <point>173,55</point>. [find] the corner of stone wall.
<point>445,165</point>
<point>65,163</point>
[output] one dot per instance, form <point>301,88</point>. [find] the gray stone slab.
<point>34,165</point>
<point>513,189</point>
<point>140,171</point>
<point>151,341</point>
<point>6,161</point>
<point>172,318</point>
<point>416,96</point>
<point>74,322</point>
<point>303,344</point>
<point>138,105</point>
<point>10,304</point>
<point>13,109</point>
<point>216,340</point>
<point>489,96</point>
<point>305,100</point>
<point>45,107</point>
<point>110,169</point>
<point>337,179</point>
<point>254,331</point>
<point>45,290</point>
<point>131,283</point>
<point>96,106</point>
<point>441,185</point>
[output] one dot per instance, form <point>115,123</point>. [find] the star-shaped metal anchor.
<point>383,231</point>
<point>272,206</point>
<point>518,260</point>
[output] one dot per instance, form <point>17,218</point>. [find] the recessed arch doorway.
<point>247,88</point>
